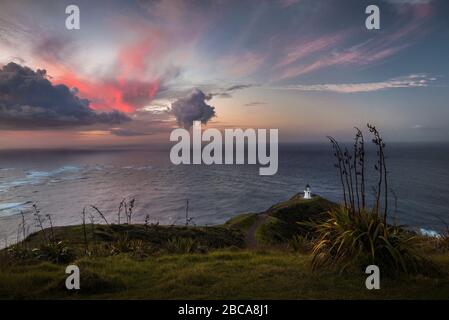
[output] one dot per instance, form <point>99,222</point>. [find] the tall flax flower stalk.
<point>351,169</point>
<point>340,166</point>
<point>382,170</point>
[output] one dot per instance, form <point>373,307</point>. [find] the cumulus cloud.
<point>28,100</point>
<point>192,108</point>
<point>411,81</point>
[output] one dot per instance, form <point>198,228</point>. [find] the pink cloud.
<point>305,48</point>
<point>376,50</point>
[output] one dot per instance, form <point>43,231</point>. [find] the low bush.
<point>181,245</point>
<point>362,239</point>
<point>301,244</point>
<point>57,252</point>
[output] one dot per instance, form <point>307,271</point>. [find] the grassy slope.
<point>221,274</point>
<point>282,223</point>
<point>226,271</point>
<point>242,222</point>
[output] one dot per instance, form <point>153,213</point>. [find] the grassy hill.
<point>283,220</point>
<point>249,257</point>
<point>280,223</point>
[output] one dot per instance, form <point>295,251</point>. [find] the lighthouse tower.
<point>307,192</point>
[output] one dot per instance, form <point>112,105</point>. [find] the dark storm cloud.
<point>29,101</point>
<point>192,108</point>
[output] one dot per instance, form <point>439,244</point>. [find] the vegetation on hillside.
<point>69,243</point>
<point>357,234</point>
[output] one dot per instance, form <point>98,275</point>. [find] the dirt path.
<point>250,236</point>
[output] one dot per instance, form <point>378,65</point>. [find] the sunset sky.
<point>137,69</point>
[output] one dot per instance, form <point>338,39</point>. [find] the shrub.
<point>57,252</point>
<point>19,252</point>
<point>181,245</point>
<point>121,245</point>
<point>301,244</point>
<point>136,248</point>
<point>441,244</point>
<point>362,239</point>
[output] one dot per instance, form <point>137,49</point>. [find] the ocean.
<point>63,182</point>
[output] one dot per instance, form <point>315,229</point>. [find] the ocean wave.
<point>12,208</point>
<point>34,177</point>
<point>137,168</point>
<point>42,174</point>
<point>429,233</point>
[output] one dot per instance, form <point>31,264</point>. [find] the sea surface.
<point>62,182</point>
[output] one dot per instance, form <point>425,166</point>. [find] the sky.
<point>136,70</point>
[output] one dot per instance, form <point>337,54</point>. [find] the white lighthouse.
<point>307,192</point>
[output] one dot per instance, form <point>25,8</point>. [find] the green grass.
<point>222,274</point>
<point>275,232</point>
<point>242,222</point>
<point>282,225</point>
